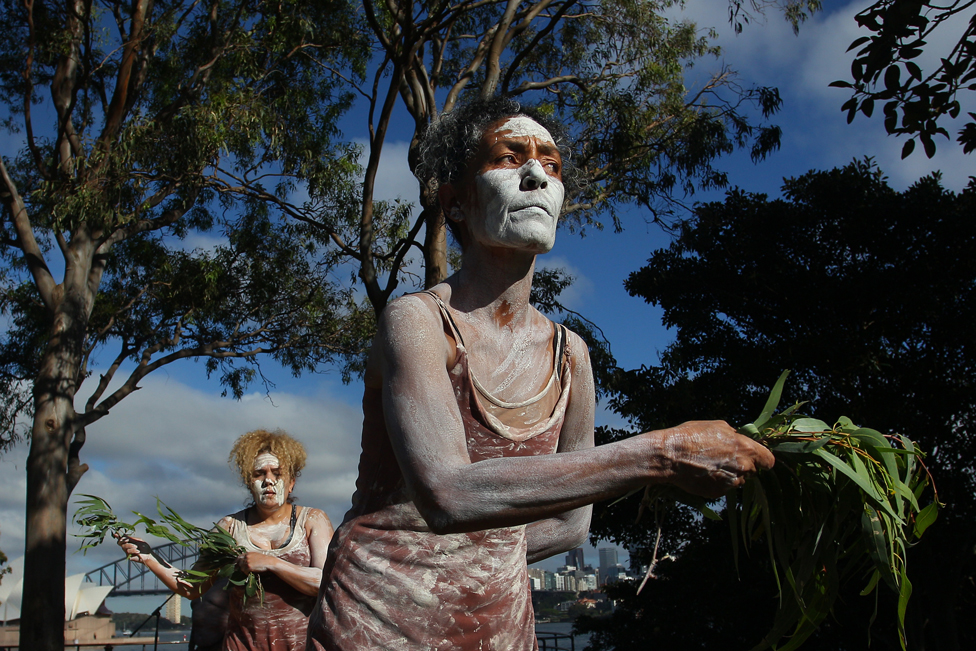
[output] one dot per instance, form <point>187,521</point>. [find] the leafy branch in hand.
<point>842,501</point>
<point>218,550</point>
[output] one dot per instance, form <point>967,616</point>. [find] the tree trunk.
<point>435,248</point>
<point>48,480</point>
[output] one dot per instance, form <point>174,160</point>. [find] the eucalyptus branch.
<point>28,75</point>
<point>337,73</point>
<point>840,498</point>
<point>105,378</point>
<point>402,252</point>
<point>168,218</point>
<point>467,74</point>
<point>218,550</point>
<point>218,349</point>
<point>370,13</point>
<point>499,42</point>
<point>534,43</point>
<point>526,86</point>
<point>33,256</point>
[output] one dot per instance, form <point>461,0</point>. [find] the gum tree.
<point>646,126</point>
<point>163,141</point>
<point>152,128</point>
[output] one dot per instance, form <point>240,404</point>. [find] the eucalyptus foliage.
<point>218,550</point>
<point>649,104</point>
<point>841,503</point>
<point>868,293</point>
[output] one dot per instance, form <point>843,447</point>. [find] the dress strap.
<point>447,314</point>
<point>559,344</point>
<point>291,527</point>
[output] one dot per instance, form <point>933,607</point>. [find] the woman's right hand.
<point>709,458</point>
<point>135,549</point>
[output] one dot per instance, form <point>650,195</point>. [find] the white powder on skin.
<point>511,216</point>
<point>266,459</point>
<point>258,486</point>
<point>524,127</point>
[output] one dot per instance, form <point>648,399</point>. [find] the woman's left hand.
<point>255,562</point>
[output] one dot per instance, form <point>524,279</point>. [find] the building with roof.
<point>85,617</point>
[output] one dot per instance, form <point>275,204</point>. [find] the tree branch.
<point>43,280</point>
<point>498,43</point>
<point>534,43</point>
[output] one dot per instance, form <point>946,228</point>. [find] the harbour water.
<point>579,641</point>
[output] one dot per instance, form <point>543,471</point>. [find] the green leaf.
<point>863,482</point>
<point>812,425</point>
<point>877,544</point>
<point>799,447</point>
<point>749,430</point>
<point>844,424</point>
<point>773,401</point>
<point>872,583</point>
<point>925,518</point>
<point>695,502</point>
<point>903,596</point>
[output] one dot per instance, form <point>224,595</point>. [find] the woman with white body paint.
<point>478,453</point>
<point>286,543</point>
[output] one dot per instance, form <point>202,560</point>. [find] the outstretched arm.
<point>454,494</point>
<point>139,551</point>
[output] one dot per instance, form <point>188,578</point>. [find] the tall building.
<point>608,559</point>
<point>173,609</point>
<point>575,558</point>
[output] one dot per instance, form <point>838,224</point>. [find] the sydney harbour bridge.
<point>133,579</point>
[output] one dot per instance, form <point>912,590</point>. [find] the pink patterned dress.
<point>391,583</point>
<point>280,623</point>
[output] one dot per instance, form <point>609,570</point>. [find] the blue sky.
<point>171,438</point>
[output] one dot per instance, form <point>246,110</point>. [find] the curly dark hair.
<point>450,141</point>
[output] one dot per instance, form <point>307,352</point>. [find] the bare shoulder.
<point>317,517</point>
<point>411,328</point>
<point>225,522</point>
<point>405,322</point>
<point>579,352</point>
<point>409,312</point>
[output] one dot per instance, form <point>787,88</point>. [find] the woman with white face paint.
<point>478,453</point>
<point>286,543</point>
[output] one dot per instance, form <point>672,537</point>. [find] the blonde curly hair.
<point>291,454</point>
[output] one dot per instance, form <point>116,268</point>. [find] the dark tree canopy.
<point>868,294</point>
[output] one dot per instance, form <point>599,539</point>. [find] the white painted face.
<point>268,481</point>
<point>517,207</point>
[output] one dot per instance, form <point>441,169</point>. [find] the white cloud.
<point>200,241</point>
<point>576,295</point>
<point>816,134</point>
<point>393,177</point>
